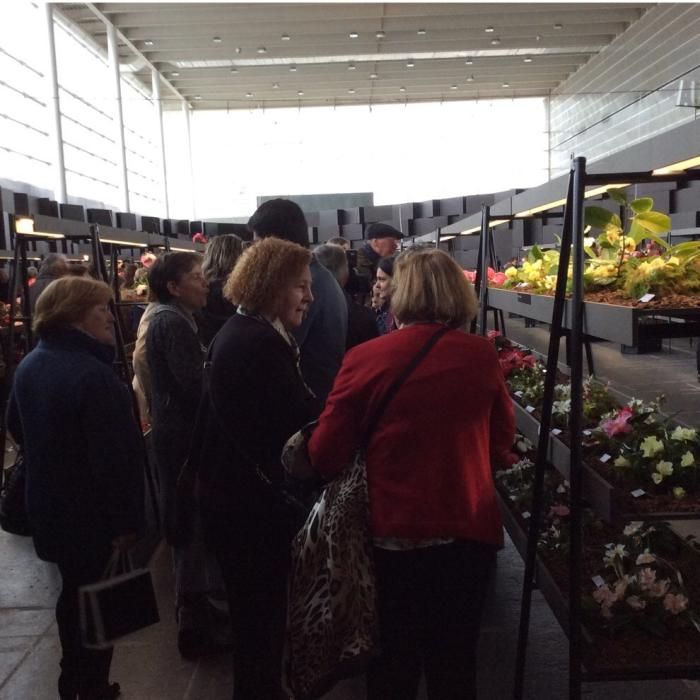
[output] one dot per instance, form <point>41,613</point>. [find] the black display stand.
<point>486,257</point>
<point>570,614</point>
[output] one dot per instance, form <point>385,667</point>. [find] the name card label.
<point>587,433</point>
<point>530,409</point>
<point>556,431</point>
<point>646,297</point>
<point>598,580</point>
<point>637,493</point>
<point>519,394</point>
<point>605,458</point>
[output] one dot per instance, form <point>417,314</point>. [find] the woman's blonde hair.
<point>220,256</point>
<point>66,301</point>
<point>429,286</point>
<point>263,272</point>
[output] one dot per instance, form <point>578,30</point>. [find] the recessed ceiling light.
<point>506,85</point>
<point>351,91</point>
<point>353,35</point>
<point>174,74</point>
<point>148,42</point>
<point>410,64</point>
<point>380,34</point>
<point>488,30</point>
<point>285,37</point>
<point>373,76</point>
<point>558,26</point>
<point>421,32</point>
<point>249,94</point>
<point>402,89</point>
<point>527,59</point>
<point>351,66</point>
<point>453,87</point>
<point>216,39</point>
<point>300,93</point>
<point>234,70</point>
<point>261,49</point>
<point>538,37</point>
<point>469,62</point>
<point>275,86</point>
<point>292,69</point>
<point>197,97</point>
<point>238,49</point>
<point>495,41</point>
<point>470,79</point>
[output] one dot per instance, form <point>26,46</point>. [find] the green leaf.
<point>597,217</point>
<point>637,233</point>
<point>534,254</point>
<point>654,221</point>
<point>641,205</point>
<point>588,251</point>
<point>618,196</point>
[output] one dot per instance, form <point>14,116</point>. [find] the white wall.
<point>627,93</point>
<point>401,153</point>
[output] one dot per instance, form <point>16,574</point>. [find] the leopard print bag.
<point>332,626</point>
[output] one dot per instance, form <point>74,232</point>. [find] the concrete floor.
<point>148,666</point>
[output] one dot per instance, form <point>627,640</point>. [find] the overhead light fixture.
<point>453,87</point>
<point>605,188</point>
<point>495,41</point>
<point>402,89</point>
<point>285,37</point>
<point>410,64</point>
<point>498,222</point>
<point>542,207</point>
<point>527,59</point>
<point>470,230</point>
<point>238,49</point>
<point>447,238</point>
<point>351,66</point>
<point>488,30</point>
<point>249,94</point>
<point>470,79</point>
<point>148,42</point>
<point>300,93</point>
<point>538,37</point>
<point>123,243</point>
<point>216,39</point>
<point>505,85</point>
<point>558,26</point>
<point>351,91</point>
<point>421,32</point>
<point>197,97</point>
<point>353,35</point>
<point>261,49</point>
<point>174,74</point>
<point>380,34</point>
<point>25,226</point>
<point>275,86</point>
<point>373,76</point>
<point>678,167</point>
<point>292,69</point>
<point>469,62</point>
<point>234,70</point>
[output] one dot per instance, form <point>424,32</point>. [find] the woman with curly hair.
<point>255,399</point>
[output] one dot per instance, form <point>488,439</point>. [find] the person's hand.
<point>123,542</point>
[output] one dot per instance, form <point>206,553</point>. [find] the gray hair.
<point>221,255</point>
<point>52,263</point>
<point>333,258</point>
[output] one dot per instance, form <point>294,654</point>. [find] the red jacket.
<point>429,459</point>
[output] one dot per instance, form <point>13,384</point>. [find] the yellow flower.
<point>679,492</point>
<point>512,273</point>
<point>687,460</point>
<point>657,478</point>
<point>657,263</point>
<point>613,235</point>
<point>665,468</point>
<point>621,462</point>
<point>673,261</point>
<point>651,446</point>
<point>681,433</point>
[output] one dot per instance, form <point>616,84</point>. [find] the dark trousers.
<point>430,603</point>
<point>84,672</point>
<point>253,554</point>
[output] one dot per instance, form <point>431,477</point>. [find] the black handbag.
<point>13,506</point>
<point>123,602</point>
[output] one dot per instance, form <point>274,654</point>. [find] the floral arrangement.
<point>147,259</point>
<point>638,584</point>
<point>495,279</point>
<point>199,237</point>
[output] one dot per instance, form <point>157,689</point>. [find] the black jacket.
<point>362,323</point>
<point>83,450</point>
<point>217,311</point>
<point>256,401</point>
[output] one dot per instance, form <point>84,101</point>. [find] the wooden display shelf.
<point>628,325</point>
<point>596,490</point>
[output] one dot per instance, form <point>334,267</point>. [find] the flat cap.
<point>380,230</point>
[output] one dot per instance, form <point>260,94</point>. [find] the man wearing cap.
<point>382,241</point>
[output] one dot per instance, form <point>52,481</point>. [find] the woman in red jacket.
<point>433,511</point>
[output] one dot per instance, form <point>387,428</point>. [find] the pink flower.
<point>636,603</point>
<point>675,604</point>
<point>470,275</point>
<point>491,335</point>
<point>147,259</point>
<point>559,510</point>
<point>498,279</point>
<point>647,577</point>
<point>199,237</point>
<point>619,424</point>
<point>490,272</point>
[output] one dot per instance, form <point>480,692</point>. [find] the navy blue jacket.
<point>83,451</point>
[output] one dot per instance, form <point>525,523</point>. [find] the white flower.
<point>679,492</point>
<point>683,434</point>
<point>645,558</point>
<point>613,552</point>
<point>675,604</point>
<point>633,527</point>
<point>665,468</point>
<point>657,478</point>
<point>588,241</point>
<point>636,603</point>
<point>651,446</point>
<point>647,577</point>
<point>687,460</point>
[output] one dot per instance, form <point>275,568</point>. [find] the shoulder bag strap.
<point>391,392</point>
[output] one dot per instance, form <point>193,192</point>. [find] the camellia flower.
<point>665,468</point>
<point>647,577</point>
<point>651,446</point>
<point>675,604</point>
<point>621,462</point>
<point>679,492</point>
<point>645,558</point>
<point>681,433</point>
<point>632,528</point>
<point>687,460</point>
<point>636,603</point>
<point>619,424</point>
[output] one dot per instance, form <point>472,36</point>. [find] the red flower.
<point>199,237</point>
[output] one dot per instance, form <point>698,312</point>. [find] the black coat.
<point>362,323</point>
<point>217,311</point>
<point>256,401</point>
<point>83,449</point>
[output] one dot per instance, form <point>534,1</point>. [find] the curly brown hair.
<point>263,272</point>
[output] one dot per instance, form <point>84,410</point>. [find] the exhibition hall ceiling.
<point>243,55</point>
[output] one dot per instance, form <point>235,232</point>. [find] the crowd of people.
<point>234,354</point>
